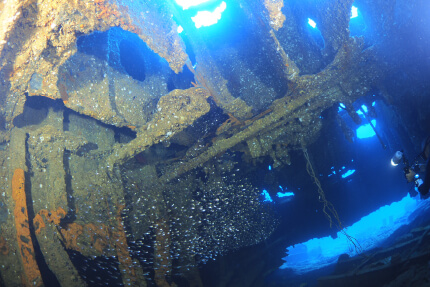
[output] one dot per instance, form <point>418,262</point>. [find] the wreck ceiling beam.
<point>344,80</point>
<point>176,111</point>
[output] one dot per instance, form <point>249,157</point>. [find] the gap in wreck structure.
<point>245,59</point>
<point>121,134</point>
<point>127,53</point>
<point>188,48</point>
<point>71,214</point>
<point>315,34</point>
<point>35,111</point>
<point>303,39</point>
<point>357,23</point>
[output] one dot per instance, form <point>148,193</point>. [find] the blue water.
<point>370,232</point>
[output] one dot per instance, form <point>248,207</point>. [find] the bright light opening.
<point>348,173</point>
<point>364,109</point>
<point>185,4</point>
<point>312,23</point>
<point>370,231</point>
<point>341,107</point>
<point>285,194</point>
<point>180,29</point>
<point>354,12</point>
<point>207,18</point>
<point>366,131</point>
<point>266,196</point>
<point>393,163</point>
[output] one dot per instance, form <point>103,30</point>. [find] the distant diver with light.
<point>412,172</point>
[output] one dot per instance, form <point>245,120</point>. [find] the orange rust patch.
<point>107,10</point>
<point>71,235</point>
<point>99,236</point>
<point>54,216</point>
<point>25,243</point>
<point>38,223</point>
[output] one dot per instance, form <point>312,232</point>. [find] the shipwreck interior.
<point>142,147</point>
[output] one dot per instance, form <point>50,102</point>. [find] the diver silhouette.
<point>423,186</point>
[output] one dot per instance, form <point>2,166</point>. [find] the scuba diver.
<point>412,175</point>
